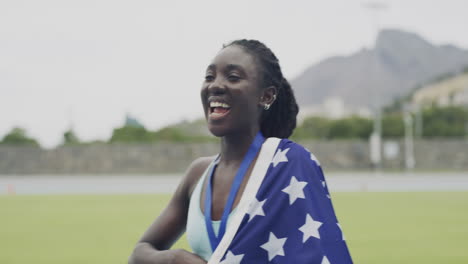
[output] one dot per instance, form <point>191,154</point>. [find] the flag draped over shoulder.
<point>291,219</point>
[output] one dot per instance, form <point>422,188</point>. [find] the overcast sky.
<point>88,62</point>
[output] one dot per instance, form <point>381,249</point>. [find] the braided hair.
<point>280,120</point>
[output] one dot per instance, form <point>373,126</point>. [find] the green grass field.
<point>416,227</point>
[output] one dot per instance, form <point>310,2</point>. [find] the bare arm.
<point>154,246</point>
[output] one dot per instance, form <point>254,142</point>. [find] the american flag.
<point>291,219</point>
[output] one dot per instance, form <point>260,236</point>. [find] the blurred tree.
<point>132,121</point>
<point>130,134</point>
<point>397,104</point>
<point>324,128</point>
<point>170,134</point>
<point>350,127</point>
<point>437,121</point>
<point>313,127</point>
<point>18,136</point>
<point>69,138</point>
<point>445,121</point>
<point>393,126</point>
<point>133,131</point>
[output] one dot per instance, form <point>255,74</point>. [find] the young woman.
<point>263,199</point>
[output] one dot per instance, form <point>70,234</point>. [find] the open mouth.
<point>218,110</point>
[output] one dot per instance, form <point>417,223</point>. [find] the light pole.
<point>418,131</point>
<point>409,143</point>
<point>376,137</point>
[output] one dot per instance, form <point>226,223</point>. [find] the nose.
<point>217,86</point>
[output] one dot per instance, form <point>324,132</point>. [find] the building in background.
<point>448,92</point>
<point>333,108</point>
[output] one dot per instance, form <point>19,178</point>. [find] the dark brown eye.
<point>233,78</point>
<point>209,78</point>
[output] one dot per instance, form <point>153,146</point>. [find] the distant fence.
<point>175,157</point>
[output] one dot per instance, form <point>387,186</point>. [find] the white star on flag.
<point>324,184</point>
<point>256,208</point>
<point>312,157</point>
<point>342,234</point>
<point>295,190</point>
<point>310,228</point>
<point>274,246</point>
<point>232,259</point>
<point>325,260</point>
<point>280,156</point>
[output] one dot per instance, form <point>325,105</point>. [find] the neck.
<point>234,147</point>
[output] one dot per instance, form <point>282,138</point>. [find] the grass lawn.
<point>413,227</point>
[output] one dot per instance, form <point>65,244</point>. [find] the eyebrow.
<point>229,67</point>
<point>211,67</point>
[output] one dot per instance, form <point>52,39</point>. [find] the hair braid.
<point>280,119</point>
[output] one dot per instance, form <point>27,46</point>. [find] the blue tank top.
<point>197,235</point>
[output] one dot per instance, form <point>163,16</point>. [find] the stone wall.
<point>175,157</point>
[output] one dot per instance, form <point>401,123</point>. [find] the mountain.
<point>394,67</point>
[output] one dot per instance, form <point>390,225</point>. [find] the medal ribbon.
<point>249,157</point>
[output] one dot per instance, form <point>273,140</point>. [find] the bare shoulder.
<point>195,171</point>
<point>170,224</point>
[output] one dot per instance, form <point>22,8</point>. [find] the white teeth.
<point>219,104</point>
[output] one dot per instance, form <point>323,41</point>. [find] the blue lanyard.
<point>249,157</point>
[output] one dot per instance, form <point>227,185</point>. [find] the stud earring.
<point>266,106</point>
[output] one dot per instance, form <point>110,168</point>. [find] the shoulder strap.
<point>258,173</point>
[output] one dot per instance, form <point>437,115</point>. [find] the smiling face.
<point>231,94</point>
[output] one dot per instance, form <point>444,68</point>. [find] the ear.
<point>268,97</point>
